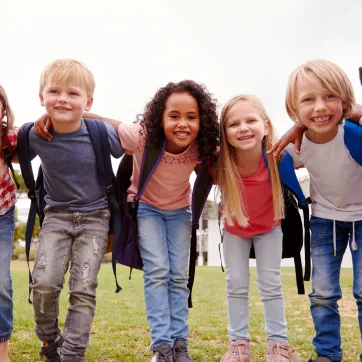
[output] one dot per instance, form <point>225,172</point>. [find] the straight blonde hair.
<point>68,70</point>
<point>333,79</point>
<point>227,175</point>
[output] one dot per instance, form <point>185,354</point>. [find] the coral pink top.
<point>169,187</point>
<point>258,199</point>
<point>7,187</point>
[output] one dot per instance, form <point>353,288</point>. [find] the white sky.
<point>135,47</point>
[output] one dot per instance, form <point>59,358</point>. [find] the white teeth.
<point>321,119</point>
<point>244,138</point>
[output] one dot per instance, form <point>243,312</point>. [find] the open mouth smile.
<point>182,134</point>
<point>321,120</point>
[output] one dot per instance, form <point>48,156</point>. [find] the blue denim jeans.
<point>268,251</point>
<point>79,240</point>
<point>164,242</point>
<point>326,283</point>
<point>7,226</point>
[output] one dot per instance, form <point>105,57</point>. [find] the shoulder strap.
<point>151,158</point>
<point>200,192</point>
<point>23,151</point>
<point>99,136</point>
<point>353,140</point>
<point>290,181</point>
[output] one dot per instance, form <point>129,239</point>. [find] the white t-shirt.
<point>335,178</point>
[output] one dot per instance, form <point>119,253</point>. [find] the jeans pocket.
<point>104,214</point>
<point>318,228</point>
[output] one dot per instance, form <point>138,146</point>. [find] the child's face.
<point>180,121</point>
<point>244,127</point>
<point>65,103</point>
<point>318,109</point>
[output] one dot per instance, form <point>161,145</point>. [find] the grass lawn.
<point>120,331</point>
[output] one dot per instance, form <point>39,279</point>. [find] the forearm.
<point>113,122</point>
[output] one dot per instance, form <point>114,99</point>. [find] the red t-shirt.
<point>7,187</point>
<point>258,200</point>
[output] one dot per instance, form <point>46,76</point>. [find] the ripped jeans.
<point>78,239</point>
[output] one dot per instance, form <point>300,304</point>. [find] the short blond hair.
<point>227,175</point>
<point>68,70</point>
<point>333,79</point>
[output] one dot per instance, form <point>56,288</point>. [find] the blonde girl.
<point>252,206</point>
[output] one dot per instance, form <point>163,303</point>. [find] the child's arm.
<point>293,135</point>
<point>113,122</point>
<point>357,114</point>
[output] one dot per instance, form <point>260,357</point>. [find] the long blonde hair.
<point>228,178</point>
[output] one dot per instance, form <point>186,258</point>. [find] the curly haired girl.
<point>186,115</point>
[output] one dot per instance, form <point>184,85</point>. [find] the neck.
<point>68,127</point>
<point>248,162</point>
<point>321,138</point>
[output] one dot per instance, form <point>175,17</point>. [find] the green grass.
<point>120,331</point>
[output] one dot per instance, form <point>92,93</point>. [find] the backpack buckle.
<point>32,195</point>
<point>109,189</point>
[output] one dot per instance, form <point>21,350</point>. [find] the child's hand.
<point>294,135</point>
<point>42,126</point>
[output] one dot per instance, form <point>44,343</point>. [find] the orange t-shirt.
<point>258,200</point>
<point>169,187</point>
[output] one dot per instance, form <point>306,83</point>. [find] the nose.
<point>243,127</point>
<point>62,97</point>
<point>320,104</point>
<point>182,122</point>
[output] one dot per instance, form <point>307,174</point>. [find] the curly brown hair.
<point>209,135</point>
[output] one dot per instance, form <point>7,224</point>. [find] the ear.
<point>344,106</point>
<point>88,105</point>
<point>41,97</point>
<point>266,127</point>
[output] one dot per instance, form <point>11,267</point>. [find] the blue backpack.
<point>127,252</point>
<point>99,137</point>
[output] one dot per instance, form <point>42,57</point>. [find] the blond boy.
<point>319,97</point>
<point>75,228</point>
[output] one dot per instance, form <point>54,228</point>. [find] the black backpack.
<point>99,137</point>
<point>127,252</point>
<point>292,226</point>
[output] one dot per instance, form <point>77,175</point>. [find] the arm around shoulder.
<point>111,121</point>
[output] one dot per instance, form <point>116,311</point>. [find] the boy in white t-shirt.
<point>319,96</point>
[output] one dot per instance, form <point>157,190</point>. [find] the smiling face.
<point>180,121</point>
<point>245,128</point>
<point>318,109</point>
<point>65,102</point>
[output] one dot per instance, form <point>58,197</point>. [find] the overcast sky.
<point>135,47</point>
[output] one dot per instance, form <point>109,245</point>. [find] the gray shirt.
<point>70,169</point>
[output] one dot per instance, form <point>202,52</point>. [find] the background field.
<point>120,331</point>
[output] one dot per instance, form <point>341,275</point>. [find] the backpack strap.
<point>99,136</point>
<point>151,158</point>
<point>200,192</point>
<point>290,181</point>
<point>353,140</point>
<point>23,151</point>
